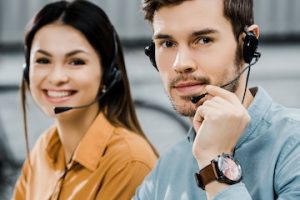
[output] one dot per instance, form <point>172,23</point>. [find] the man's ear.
<point>250,43</point>
<point>254,29</point>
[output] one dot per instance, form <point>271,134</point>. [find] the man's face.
<point>194,46</point>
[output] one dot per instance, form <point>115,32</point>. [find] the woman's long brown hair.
<point>93,23</point>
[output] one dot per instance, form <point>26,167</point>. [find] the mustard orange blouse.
<point>109,163</point>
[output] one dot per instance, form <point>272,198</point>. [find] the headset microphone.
<point>117,78</point>
<point>257,55</point>
<point>58,110</point>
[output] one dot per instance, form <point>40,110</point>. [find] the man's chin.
<point>186,113</point>
<point>183,106</point>
<point>187,110</point>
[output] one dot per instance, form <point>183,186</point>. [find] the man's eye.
<point>77,62</point>
<point>204,40</point>
<point>42,61</point>
<point>167,44</point>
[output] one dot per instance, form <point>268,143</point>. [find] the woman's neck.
<point>72,129</point>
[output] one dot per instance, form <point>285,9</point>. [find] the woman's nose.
<point>58,75</point>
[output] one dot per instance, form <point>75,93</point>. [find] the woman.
<point>96,148</point>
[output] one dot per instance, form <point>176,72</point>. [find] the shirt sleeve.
<point>20,187</point>
<point>234,192</point>
<point>146,191</point>
<point>122,183</point>
<point>287,172</point>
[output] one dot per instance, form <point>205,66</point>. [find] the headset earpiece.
<point>117,74</point>
<point>113,75</point>
<point>26,73</point>
<point>150,52</point>
<point>249,47</point>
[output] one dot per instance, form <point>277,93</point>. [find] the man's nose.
<point>185,62</point>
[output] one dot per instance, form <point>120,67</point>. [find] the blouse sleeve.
<point>20,187</point>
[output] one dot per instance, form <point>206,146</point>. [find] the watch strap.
<point>206,175</point>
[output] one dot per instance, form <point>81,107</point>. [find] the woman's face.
<point>65,70</point>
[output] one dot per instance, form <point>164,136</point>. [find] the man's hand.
<point>219,122</point>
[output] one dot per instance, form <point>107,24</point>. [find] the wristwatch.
<point>224,169</point>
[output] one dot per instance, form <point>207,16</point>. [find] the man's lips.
<point>188,88</point>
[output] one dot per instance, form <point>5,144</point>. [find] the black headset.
<point>111,77</point>
<point>113,74</point>
<point>249,49</point>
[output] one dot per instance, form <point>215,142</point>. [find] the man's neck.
<point>248,98</point>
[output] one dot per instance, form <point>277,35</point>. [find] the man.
<point>242,144</point>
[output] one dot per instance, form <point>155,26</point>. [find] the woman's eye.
<point>77,62</point>
<point>42,61</point>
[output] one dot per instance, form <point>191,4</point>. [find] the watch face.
<point>230,168</point>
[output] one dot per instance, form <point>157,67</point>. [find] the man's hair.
<point>238,12</point>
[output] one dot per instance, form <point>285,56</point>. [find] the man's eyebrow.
<point>162,36</point>
<point>204,32</point>
<point>195,33</point>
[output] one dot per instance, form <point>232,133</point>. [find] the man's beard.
<point>187,108</point>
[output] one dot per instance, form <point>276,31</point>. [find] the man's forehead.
<point>193,5</point>
<point>190,16</point>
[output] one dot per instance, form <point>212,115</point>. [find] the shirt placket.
<point>59,185</point>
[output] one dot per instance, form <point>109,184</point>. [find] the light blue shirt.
<point>268,151</point>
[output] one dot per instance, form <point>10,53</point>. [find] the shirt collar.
<point>191,134</point>
<point>257,110</point>
<point>54,150</point>
<point>90,149</point>
<point>93,144</point>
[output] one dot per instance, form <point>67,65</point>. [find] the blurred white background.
<point>278,70</point>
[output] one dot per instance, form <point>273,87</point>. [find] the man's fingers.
<point>220,92</point>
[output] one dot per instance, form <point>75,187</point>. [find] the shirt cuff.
<point>234,192</point>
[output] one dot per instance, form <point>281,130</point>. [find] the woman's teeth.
<point>58,94</point>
